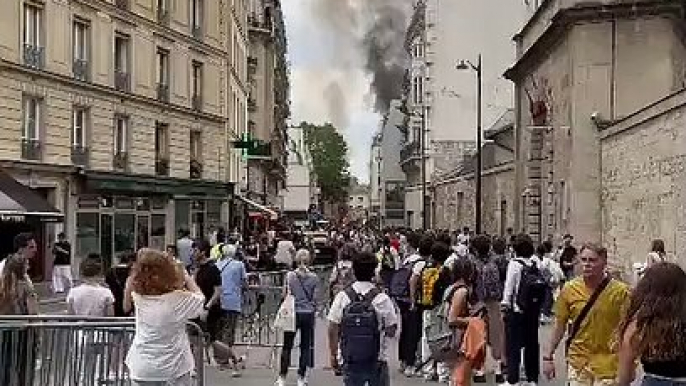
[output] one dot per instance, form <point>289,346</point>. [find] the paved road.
<point>262,367</point>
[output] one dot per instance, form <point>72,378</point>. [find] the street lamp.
<point>467,65</point>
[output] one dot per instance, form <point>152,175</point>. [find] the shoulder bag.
<point>576,325</point>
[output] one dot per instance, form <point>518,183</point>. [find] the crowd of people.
<point>444,300</point>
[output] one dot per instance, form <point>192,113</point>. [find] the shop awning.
<point>18,201</point>
<point>272,214</point>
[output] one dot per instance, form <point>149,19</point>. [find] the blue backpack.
<point>360,331</point>
<point>400,283</point>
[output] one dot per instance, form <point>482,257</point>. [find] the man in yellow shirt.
<point>591,352</point>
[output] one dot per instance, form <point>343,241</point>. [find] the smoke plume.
<point>337,104</point>
<point>373,32</point>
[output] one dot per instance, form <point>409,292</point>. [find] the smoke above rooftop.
<point>368,34</point>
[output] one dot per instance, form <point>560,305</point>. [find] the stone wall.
<point>644,177</point>
<point>454,201</point>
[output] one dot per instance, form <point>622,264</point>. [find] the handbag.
<point>576,325</point>
<point>285,316</point>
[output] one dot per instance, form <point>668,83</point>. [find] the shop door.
<point>142,231</point>
<point>106,240</point>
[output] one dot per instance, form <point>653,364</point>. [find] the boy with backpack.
<point>362,322</point>
<point>523,297</point>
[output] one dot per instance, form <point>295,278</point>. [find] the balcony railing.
<point>81,69</point>
<point>122,4</point>
<point>120,161</point>
<point>196,31</point>
<point>195,169</point>
<point>34,56</point>
<point>31,149</point>
<point>163,16</point>
<point>122,81</point>
<point>162,166</point>
<point>79,155</point>
<point>252,105</point>
<point>163,92</point>
<point>196,102</point>
<point>409,151</point>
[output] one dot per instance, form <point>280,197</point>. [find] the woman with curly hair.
<point>654,329</point>
<point>165,299</point>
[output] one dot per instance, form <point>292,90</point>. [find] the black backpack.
<point>532,288</point>
<point>400,283</point>
<point>360,331</point>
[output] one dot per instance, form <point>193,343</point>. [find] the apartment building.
<point>440,98</point>
<point>268,104</point>
<point>118,115</point>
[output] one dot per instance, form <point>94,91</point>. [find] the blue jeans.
<point>651,380</point>
<point>375,376</point>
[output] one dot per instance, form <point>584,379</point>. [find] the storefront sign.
<point>12,217</point>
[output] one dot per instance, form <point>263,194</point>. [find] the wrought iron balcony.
<point>195,169</point>
<point>122,4</point>
<point>79,155</point>
<point>196,31</point>
<point>34,56</point>
<point>120,161</point>
<point>196,102</point>
<point>122,81</point>
<point>81,69</point>
<point>31,149</point>
<point>163,92</point>
<point>161,166</point>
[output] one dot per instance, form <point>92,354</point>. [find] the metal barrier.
<point>68,350</point>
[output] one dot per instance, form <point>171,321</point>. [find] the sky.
<point>328,83</point>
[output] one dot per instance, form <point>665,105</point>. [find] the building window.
<point>32,117</point>
<point>78,131</point>
<point>418,50</point>
<point>163,11</point>
<point>196,146</point>
<point>418,89</point>
<point>121,131</point>
<point>81,44</point>
<point>33,50</point>
<point>121,62</point>
<point>197,81</point>
<point>196,18</point>
<point>162,74</point>
<point>161,149</point>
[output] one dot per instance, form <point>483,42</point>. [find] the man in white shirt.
<point>521,312</point>
<point>373,370</point>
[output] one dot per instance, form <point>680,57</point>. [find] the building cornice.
<point>110,91</point>
<point>663,106</point>
<point>565,18</point>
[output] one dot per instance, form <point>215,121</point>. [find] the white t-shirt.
<point>160,350</point>
<point>385,311</point>
<point>90,299</point>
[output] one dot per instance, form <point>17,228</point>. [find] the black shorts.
<point>212,325</point>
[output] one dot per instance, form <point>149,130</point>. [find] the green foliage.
<point>329,154</point>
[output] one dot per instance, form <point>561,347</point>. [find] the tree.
<point>329,153</point>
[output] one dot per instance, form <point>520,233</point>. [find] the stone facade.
<point>644,180</point>
<point>454,201</point>
<point>577,61</point>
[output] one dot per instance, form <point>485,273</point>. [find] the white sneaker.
<point>280,381</point>
<point>409,372</point>
<point>302,381</point>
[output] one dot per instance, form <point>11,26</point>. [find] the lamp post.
<point>467,65</point>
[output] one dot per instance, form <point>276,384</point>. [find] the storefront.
<point>258,217</point>
<point>23,209</point>
<point>118,213</point>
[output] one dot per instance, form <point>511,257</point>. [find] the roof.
<point>501,125</point>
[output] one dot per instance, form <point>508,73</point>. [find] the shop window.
<point>124,236</point>
<point>182,215</point>
<point>143,204</point>
<point>157,231</point>
<point>124,203</point>
<point>214,213</point>
<point>159,203</point>
<point>87,234</point>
